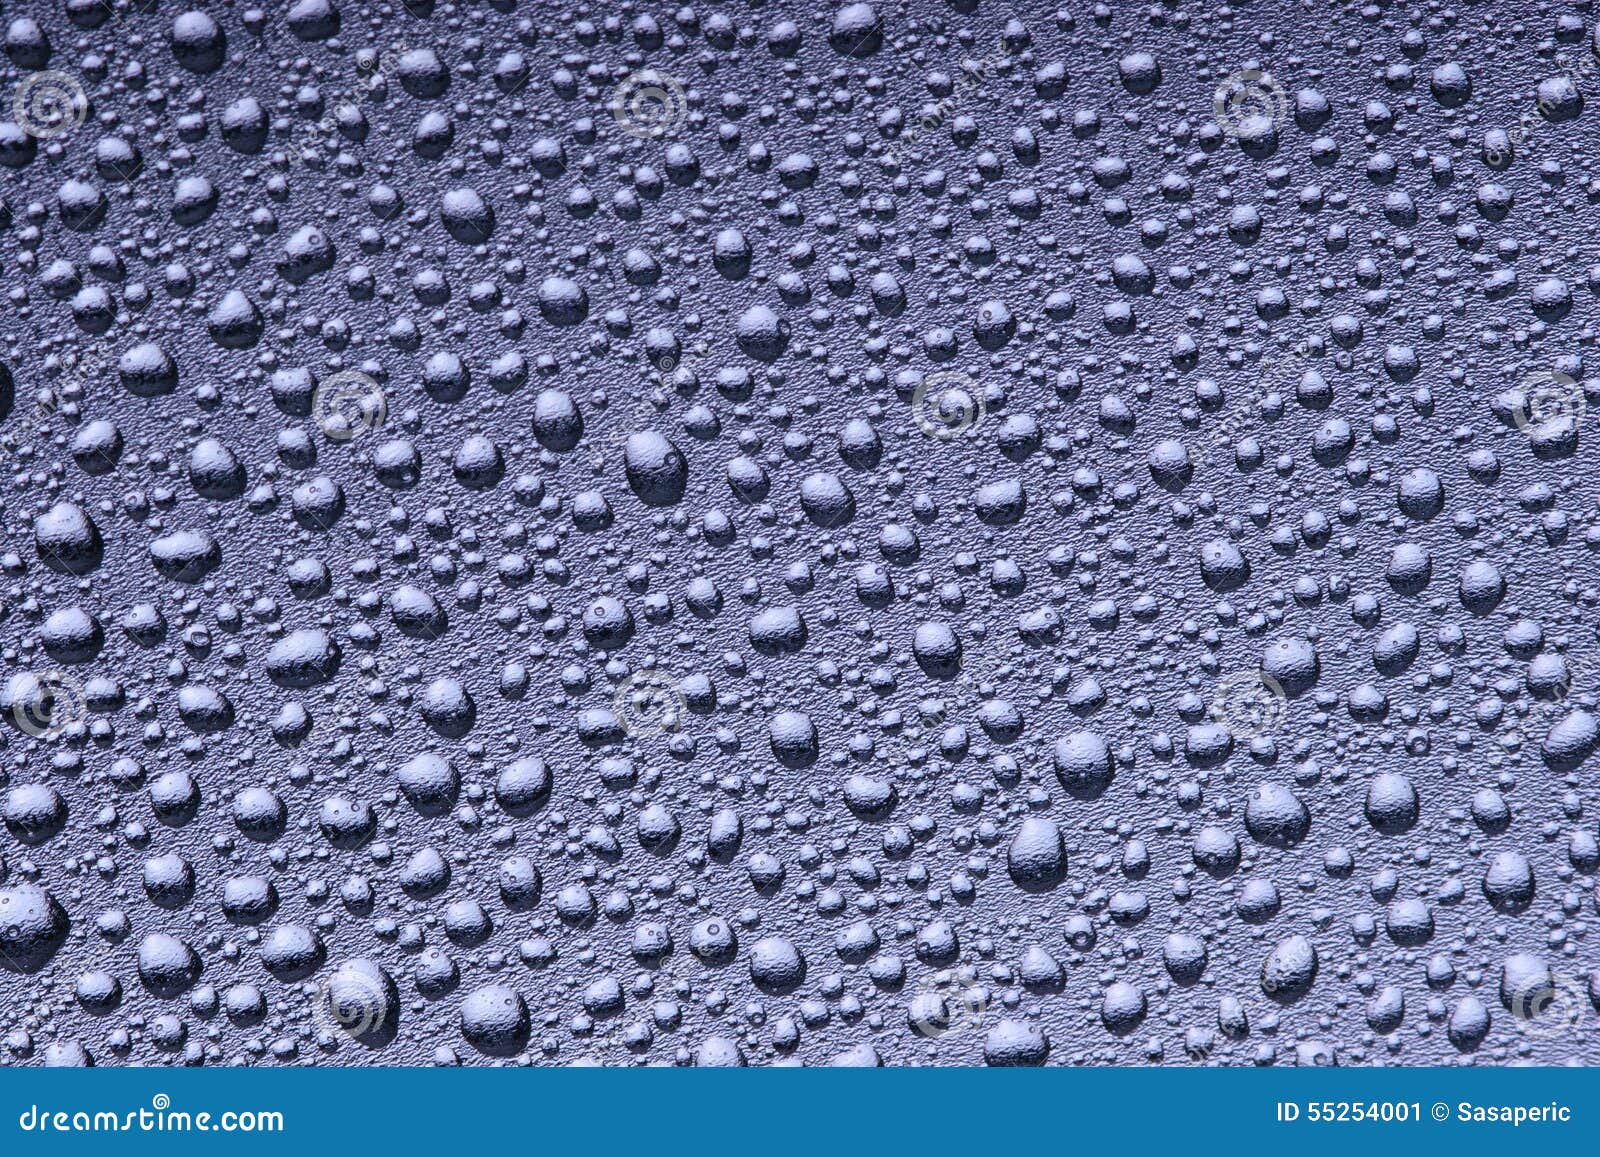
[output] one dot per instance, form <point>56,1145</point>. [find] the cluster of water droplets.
<point>917,533</point>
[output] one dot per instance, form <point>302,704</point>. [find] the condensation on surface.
<point>922,533</point>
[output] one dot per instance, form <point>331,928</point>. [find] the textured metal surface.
<point>922,534</point>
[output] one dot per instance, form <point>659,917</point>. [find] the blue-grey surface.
<point>916,533</point>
